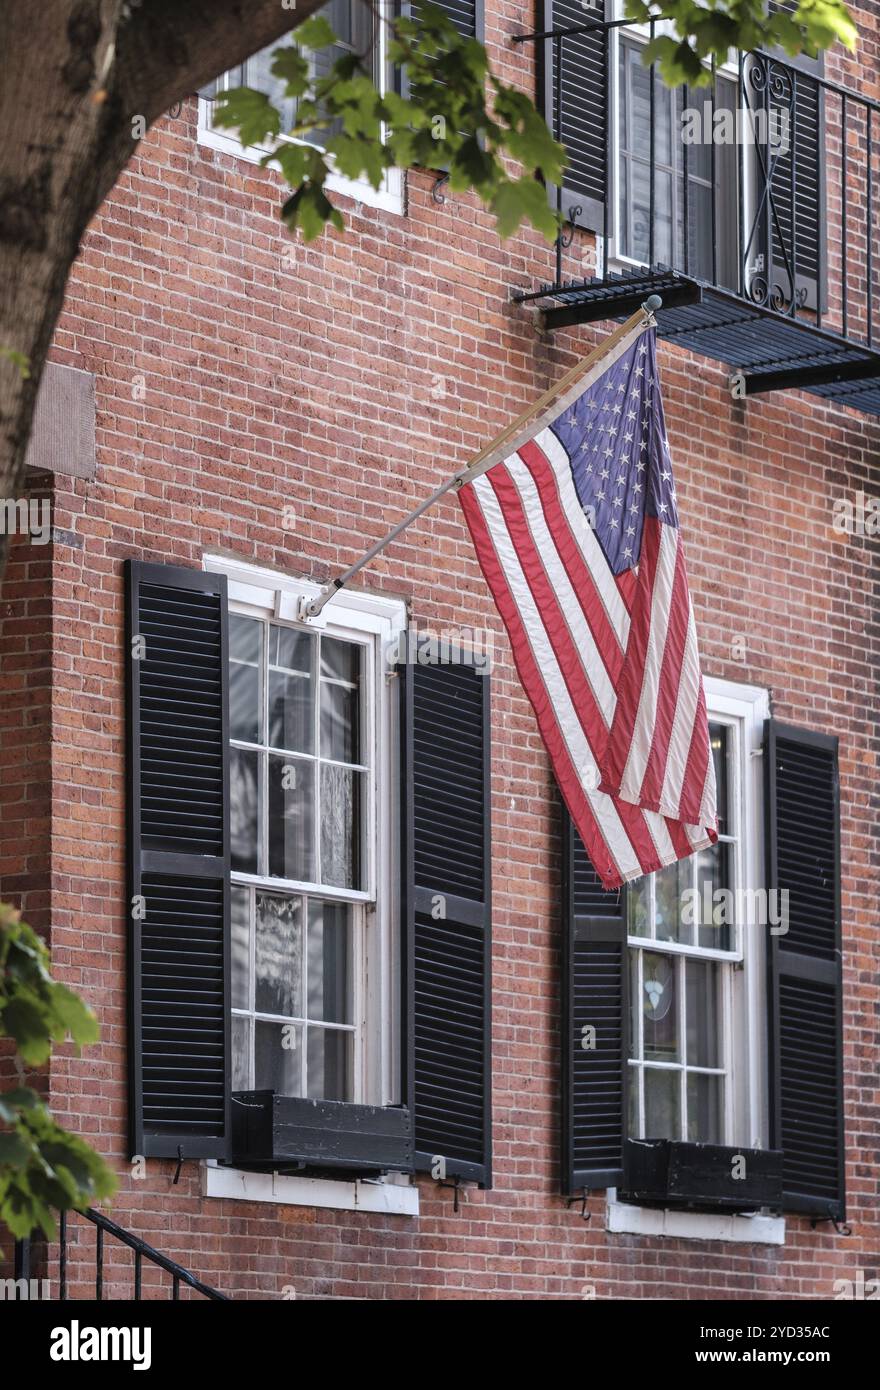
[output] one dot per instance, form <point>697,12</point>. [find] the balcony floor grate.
<point>772,351</point>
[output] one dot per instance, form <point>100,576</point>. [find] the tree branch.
<point>168,49</point>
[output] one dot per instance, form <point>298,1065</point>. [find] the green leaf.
<point>23,1020</point>
<point>250,113</point>
<point>315,32</point>
<point>12,1102</point>
<point>290,65</point>
<point>309,210</point>
<point>14,1151</point>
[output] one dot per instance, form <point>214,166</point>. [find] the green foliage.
<point>445,120</point>
<point>42,1167</point>
<point>703,29</point>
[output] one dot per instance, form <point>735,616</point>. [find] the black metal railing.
<point>104,1227</point>
<point>778,214</point>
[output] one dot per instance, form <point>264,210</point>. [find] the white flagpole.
<point>494,451</point>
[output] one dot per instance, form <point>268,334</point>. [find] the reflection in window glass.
<point>677,989</point>
<point>298,805</point>
<point>278,956</point>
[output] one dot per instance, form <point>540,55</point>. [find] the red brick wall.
<point>239,372</point>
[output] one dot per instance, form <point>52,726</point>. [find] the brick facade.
<point>238,373</point>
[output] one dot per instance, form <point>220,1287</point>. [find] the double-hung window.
<point>303,845</point>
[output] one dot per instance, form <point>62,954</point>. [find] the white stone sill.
<point>395,1196</point>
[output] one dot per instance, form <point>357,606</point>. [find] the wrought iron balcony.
<point>748,204</point>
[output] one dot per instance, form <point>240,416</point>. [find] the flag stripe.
<point>673,678</point>
<point>545,687</point>
<point>650,841</point>
<point>523,489</point>
<point>612,602</point>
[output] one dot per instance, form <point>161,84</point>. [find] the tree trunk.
<point>76,74</point>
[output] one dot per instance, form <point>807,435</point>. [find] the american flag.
<point>577,533</point>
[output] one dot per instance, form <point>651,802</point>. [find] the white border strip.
<point>392,1198</point>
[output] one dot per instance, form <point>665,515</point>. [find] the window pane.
<point>329,978</point>
<point>291,689</point>
<point>702,1013</point>
<point>668,885</point>
<point>259,75</point>
<point>244,812</point>
<point>291,649</point>
<point>339,723</point>
<point>244,638</point>
<point>634,1129</point>
<point>241,1062</point>
<point>638,907</point>
<point>241,944</point>
<point>340,826</point>
<point>291,723</point>
<point>278,1057</point>
<point>244,702</point>
<point>291,819</point>
<point>718,736</point>
<point>340,660</point>
<point>329,1064</point>
<point>278,956</point>
<point>659,1011</point>
<point>715,915</point>
<point>662,1104</point>
<point>704,1109</point>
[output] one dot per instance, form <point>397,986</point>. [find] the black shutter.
<point>804,980</point>
<point>580,119</point>
<point>466,15</point>
<point>178,861</point>
<point>446,913</point>
<point>595,989</point>
<point>799,94</point>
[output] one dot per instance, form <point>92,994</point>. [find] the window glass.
<point>299,813</point>
<point>683,174</point>
<point>679,1056</point>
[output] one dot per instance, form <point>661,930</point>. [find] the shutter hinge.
<point>455,1188</point>
<point>176,1179</point>
<point>583,1199</point>
<point>841,1227</point>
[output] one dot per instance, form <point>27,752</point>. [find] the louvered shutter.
<point>805,1006</point>
<point>466,15</point>
<point>594,1018</point>
<point>580,119</point>
<point>178,861</point>
<point>446,912</point>
<point>801,96</point>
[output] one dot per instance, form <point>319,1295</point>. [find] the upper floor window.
<point>359,28</point>
<point>693,194</point>
<point>723,182</point>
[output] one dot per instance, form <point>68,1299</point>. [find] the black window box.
<point>699,1177</point>
<point>275,1131</point>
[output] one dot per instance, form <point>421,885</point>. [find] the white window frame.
<point>748,706</point>
<point>743,1018</point>
<point>265,594</point>
<point>389,197</point>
